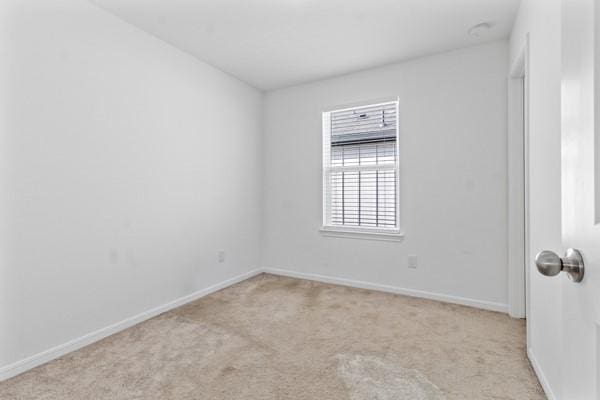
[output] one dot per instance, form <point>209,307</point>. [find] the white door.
<point>580,163</point>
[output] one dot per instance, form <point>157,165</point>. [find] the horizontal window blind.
<point>360,165</point>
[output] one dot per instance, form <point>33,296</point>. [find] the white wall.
<point>541,19</point>
<point>126,166</point>
<point>453,129</point>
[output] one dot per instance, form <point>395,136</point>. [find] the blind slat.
<point>361,156</point>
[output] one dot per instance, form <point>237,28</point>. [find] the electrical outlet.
<point>221,256</point>
<point>413,261</point>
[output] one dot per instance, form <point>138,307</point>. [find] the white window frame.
<point>377,233</point>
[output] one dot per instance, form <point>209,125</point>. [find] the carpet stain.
<point>276,338</point>
<point>374,378</point>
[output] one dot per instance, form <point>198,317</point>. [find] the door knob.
<point>550,264</point>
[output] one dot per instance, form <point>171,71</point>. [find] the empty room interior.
<point>299,199</point>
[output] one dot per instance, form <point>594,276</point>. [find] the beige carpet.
<point>278,338</point>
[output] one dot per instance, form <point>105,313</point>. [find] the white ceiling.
<point>276,43</point>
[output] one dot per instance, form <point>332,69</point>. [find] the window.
<point>360,169</point>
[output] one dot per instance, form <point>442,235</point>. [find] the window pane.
<point>363,137</point>
<point>381,153</point>
<point>363,198</point>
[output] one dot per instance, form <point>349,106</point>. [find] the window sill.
<point>394,236</point>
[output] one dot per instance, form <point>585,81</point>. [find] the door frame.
<point>518,192</point>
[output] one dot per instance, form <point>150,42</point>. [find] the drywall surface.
<point>127,166</point>
<point>541,21</point>
<point>453,143</point>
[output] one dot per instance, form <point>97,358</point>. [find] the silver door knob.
<point>550,264</point>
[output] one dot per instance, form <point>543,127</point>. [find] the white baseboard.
<point>28,363</point>
<point>540,374</point>
<point>486,305</point>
